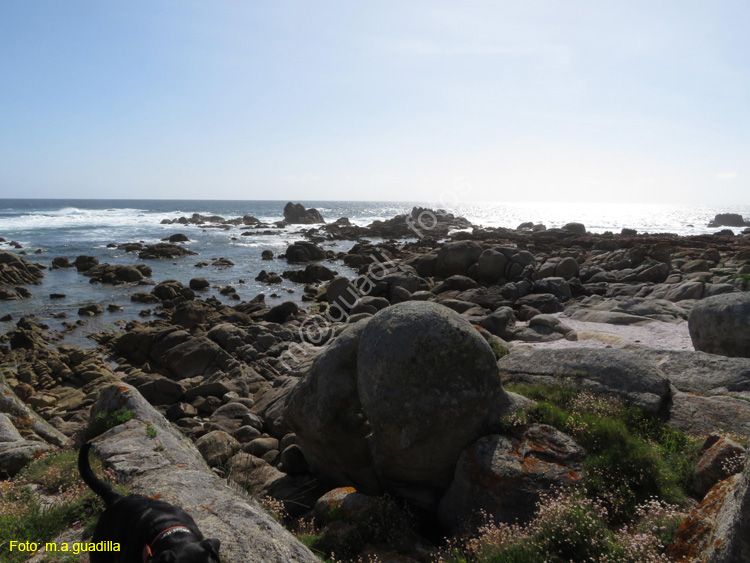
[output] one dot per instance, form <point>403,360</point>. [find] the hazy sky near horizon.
<point>626,101</point>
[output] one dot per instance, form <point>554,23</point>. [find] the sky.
<point>592,101</point>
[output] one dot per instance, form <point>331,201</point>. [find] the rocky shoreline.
<point>295,401</point>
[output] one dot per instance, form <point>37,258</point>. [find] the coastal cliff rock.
<point>170,466</point>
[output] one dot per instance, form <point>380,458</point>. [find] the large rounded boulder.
<point>394,400</point>
<point>721,325</point>
<point>429,385</point>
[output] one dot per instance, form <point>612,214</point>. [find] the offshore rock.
<point>295,213</point>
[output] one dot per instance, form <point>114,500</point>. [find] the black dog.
<point>147,530</point>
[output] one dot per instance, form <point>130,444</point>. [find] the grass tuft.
<point>23,515</point>
<point>105,420</point>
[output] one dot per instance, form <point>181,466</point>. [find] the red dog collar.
<point>148,548</point>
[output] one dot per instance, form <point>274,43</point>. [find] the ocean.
<point>71,228</point>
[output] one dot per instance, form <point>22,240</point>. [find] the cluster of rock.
<point>15,272</point>
<point>398,389</point>
<point>110,274</point>
<point>419,223</point>
<point>198,219</point>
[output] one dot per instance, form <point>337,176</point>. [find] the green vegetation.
<point>24,516</point>
<point>498,349</point>
<point>150,431</point>
<point>626,510</point>
<point>105,420</point>
<point>385,521</point>
<point>744,277</point>
<point>571,527</point>
<point>631,456</point>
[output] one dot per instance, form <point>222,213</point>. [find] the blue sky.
<point>629,101</point>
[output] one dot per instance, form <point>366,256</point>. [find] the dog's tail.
<point>106,491</point>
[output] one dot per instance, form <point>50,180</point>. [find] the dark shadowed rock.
<point>492,265</point>
<point>728,220</point>
<point>161,391</point>
<point>281,312</point>
<point>504,476</point>
<point>61,262</point>
<point>164,250</point>
<point>295,213</point>
<point>196,356</point>
<point>14,271</point>
<point>454,258</point>
<point>91,310</point>
<point>577,228</point>
<point>116,274</point>
<point>268,277</point>
<point>325,413</point>
<point>311,274</point>
<point>172,290</point>
<point>199,284</point>
<point>303,251</point>
<point>342,295</point>
<point>543,302</point>
<point>84,263</point>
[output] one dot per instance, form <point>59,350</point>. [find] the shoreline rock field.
<point>397,378</point>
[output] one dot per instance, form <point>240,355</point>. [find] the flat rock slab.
<point>698,372</point>
<point>709,393</point>
<point>170,466</point>
<point>688,371</point>
<point>702,416</point>
<point>646,333</point>
<point>622,373</point>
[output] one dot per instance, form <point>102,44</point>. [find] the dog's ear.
<point>212,545</point>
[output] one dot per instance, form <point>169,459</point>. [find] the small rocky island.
<point>465,394</point>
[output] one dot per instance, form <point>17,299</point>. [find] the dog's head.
<point>206,551</point>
